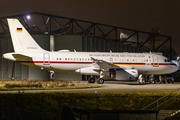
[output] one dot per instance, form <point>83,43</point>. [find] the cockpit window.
<point>166,60</point>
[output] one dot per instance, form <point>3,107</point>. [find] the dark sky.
<point>135,14</point>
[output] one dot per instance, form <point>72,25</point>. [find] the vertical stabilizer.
<point>21,39</point>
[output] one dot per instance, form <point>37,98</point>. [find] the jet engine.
<point>121,74</point>
<point>88,71</point>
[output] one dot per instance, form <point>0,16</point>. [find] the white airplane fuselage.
<point>66,61</point>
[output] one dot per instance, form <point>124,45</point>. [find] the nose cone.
<point>173,67</point>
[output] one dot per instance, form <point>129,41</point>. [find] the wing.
<point>105,66</point>
<point>20,57</point>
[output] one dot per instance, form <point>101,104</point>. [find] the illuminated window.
<point>68,58</point>
<point>59,58</point>
<point>65,58</point>
<point>82,58</point>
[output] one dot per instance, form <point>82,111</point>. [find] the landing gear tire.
<point>153,81</point>
<point>100,81</point>
<point>91,80</point>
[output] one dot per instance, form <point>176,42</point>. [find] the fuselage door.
<point>46,59</point>
<point>155,61</point>
<point>111,60</point>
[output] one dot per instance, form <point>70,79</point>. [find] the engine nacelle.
<point>121,74</point>
<point>88,71</point>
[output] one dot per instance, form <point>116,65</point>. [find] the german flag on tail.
<point>19,29</point>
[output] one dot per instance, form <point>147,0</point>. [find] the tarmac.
<point>113,87</point>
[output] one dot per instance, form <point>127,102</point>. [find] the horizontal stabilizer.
<point>20,57</point>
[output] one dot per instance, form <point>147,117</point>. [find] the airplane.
<point>105,65</point>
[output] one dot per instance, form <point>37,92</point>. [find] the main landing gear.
<point>99,80</point>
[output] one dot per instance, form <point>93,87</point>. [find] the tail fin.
<point>21,39</point>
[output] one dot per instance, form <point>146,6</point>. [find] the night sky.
<point>134,14</point>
